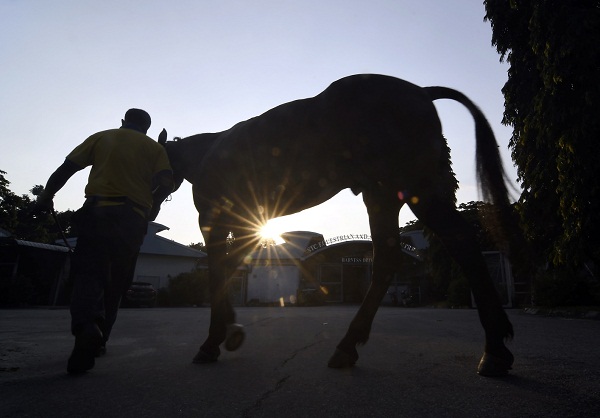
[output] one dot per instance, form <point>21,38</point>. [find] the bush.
<point>565,288</point>
<point>186,289</point>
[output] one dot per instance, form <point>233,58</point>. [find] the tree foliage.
<point>187,289</point>
<point>18,218</point>
<point>198,246</point>
<point>552,102</point>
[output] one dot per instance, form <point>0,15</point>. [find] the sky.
<point>72,68</point>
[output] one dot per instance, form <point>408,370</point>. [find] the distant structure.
<point>33,273</point>
<point>308,269</point>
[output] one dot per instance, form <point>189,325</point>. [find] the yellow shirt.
<point>124,162</point>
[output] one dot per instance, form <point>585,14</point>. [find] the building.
<point>275,273</point>
<point>31,273</point>
<point>307,269</point>
<point>37,274</point>
<point>161,259</point>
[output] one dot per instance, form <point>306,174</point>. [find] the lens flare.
<point>269,232</point>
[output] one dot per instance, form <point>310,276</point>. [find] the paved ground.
<point>418,363</point>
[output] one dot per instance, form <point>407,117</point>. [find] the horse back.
<point>360,130</point>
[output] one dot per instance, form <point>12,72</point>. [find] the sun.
<point>270,231</point>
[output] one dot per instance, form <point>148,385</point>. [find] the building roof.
<point>39,245</point>
<point>416,238</point>
<point>301,245</point>
<point>155,244</point>
<point>294,247</point>
<point>363,245</point>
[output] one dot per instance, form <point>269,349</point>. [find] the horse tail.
<point>490,172</point>
<point>500,218</point>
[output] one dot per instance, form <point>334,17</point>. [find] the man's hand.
<point>56,181</point>
<point>44,203</point>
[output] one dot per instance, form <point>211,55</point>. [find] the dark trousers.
<point>103,263</point>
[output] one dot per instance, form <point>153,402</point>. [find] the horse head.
<point>171,148</point>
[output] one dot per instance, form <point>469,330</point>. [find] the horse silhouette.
<point>377,135</point>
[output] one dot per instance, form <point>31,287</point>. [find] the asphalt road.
<point>418,363</point>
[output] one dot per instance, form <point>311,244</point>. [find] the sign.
<point>357,260</point>
<point>339,238</point>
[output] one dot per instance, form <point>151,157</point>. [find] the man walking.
<point>130,174</point>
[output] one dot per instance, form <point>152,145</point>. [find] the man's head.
<point>139,118</point>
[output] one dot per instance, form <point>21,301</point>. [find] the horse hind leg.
<point>460,241</point>
<point>383,208</point>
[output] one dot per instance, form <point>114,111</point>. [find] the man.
<point>129,176</point>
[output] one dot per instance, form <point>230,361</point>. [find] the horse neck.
<point>188,153</point>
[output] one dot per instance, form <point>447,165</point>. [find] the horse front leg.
<point>221,311</point>
<point>223,260</point>
<point>383,212</point>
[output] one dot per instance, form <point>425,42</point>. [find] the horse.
<point>377,135</point>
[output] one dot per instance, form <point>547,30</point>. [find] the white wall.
<point>272,284</point>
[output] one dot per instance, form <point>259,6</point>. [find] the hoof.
<point>203,357</point>
<point>494,366</point>
<point>341,359</point>
<point>235,337</point>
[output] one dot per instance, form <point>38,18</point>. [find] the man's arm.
<point>56,182</point>
<point>163,186</point>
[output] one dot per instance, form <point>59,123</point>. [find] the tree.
<point>15,214</point>
<point>17,217</point>
<point>198,246</point>
<point>187,289</point>
<point>8,204</point>
<point>552,101</point>
<point>266,242</point>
